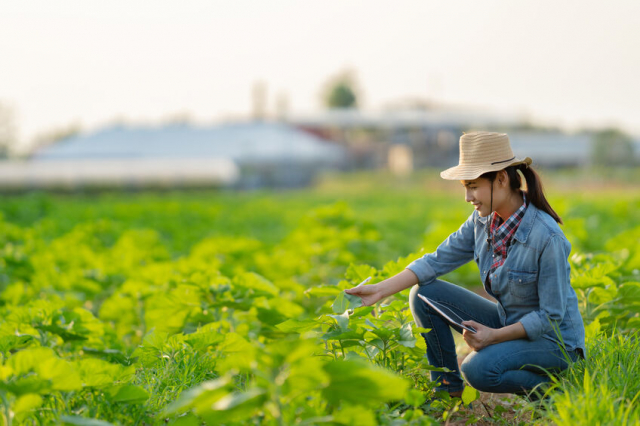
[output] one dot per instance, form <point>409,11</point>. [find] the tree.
<point>341,91</point>
<point>612,147</point>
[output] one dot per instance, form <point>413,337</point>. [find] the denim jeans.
<point>515,366</point>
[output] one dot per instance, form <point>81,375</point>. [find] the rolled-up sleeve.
<point>455,251</point>
<point>553,284</point>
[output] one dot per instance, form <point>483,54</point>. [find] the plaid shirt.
<point>501,234</point>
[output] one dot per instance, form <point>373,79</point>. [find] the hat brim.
<point>470,172</point>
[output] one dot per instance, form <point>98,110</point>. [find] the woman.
<point>514,237</point>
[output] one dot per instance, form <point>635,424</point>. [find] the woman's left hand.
<point>482,338</point>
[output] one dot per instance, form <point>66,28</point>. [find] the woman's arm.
<point>455,251</point>
<point>372,294</point>
<point>553,288</point>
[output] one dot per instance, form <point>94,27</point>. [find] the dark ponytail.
<point>535,191</point>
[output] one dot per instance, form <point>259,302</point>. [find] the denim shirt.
<point>531,287</point>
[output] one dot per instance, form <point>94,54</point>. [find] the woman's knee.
<point>478,372</point>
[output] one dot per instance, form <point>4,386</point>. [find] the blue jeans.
<point>516,366</point>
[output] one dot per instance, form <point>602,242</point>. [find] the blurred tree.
<point>8,131</point>
<point>612,147</point>
<point>180,118</point>
<point>341,91</point>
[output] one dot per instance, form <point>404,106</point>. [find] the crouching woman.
<point>534,326</point>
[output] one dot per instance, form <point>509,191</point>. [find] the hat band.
<point>498,162</point>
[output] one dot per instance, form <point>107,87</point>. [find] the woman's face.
<point>478,193</point>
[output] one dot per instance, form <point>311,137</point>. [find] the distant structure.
<point>244,155</point>
<point>400,140</point>
<point>404,140</point>
<point>553,149</point>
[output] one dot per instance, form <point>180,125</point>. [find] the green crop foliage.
<point>228,308</point>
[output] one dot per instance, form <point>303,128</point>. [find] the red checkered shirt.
<point>501,234</point>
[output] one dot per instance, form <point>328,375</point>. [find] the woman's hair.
<point>535,192</point>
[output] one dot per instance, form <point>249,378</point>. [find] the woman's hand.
<point>370,294</point>
<point>483,337</point>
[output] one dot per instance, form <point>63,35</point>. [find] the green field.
<point>215,307</point>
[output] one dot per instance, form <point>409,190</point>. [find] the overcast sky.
<point>574,63</point>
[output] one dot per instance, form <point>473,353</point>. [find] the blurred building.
<point>553,149</point>
<point>405,140</point>
<point>401,140</point>
<point>245,155</point>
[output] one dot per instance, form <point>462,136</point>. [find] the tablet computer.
<point>446,313</point>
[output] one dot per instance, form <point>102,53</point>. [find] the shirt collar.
<point>525,225</point>
<point>524,229</point>
<point>497,222</point>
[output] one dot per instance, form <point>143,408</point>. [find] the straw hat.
<point>482,152</point>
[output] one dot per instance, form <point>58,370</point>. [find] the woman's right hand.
<point>370,294</point>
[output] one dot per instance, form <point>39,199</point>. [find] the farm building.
<point>246,155</point>
<point>553,150</point>
<point>404,139</point>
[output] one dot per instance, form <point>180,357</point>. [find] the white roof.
<point>119,172</point>
<point>551,149</point>
<point>244,142</point>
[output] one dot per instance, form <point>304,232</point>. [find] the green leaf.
<point>187,420</point>
<point>47,366</point>
<point>128,394</point>
<point>26,385</point>
<point>237,353</point>
<point>270,316</point>
<point>234,407</point>
<point>202,395</point>
<point>342,335</point>
<point>383,333</point>
<point>11,342</point>
<point>97,372</point>
<point>68,333</point>
<point>599,295</point>
<point>630,292</point>
<point>322,291</point>
<point>345,301</point>
<point>342,320</point>
<point>362,312</point>
<point>83,421</point>
<point>469,395</point>
<point>297,326</point>
<point>257,283</point>
<point>109,354</point>
<point>27,402</point>
<point>415,398</point>
<point>353,415</point>
<point>405,336</point>
<point>358,382</point>
<point>359,273</point>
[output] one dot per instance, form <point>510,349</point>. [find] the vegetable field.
<point>192,308</point>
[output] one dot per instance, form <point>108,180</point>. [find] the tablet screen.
<point>446,313</point>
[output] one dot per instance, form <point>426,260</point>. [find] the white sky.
<point>572,62</point>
